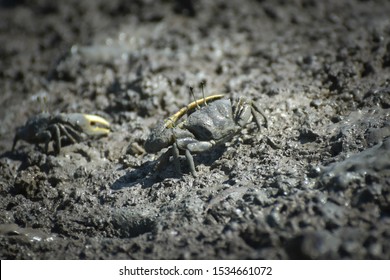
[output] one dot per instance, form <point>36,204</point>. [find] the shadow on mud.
<point>144,175</point>
<point>22,157</point>
<point>147,175</point>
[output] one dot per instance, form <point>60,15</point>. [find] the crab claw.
<point>93,125</point>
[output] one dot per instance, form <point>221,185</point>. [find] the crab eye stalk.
<point>193,96</point>
<point>202,85</point>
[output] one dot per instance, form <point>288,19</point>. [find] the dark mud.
<point>315,184</point>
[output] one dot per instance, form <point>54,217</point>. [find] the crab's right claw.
<point>93,125</point>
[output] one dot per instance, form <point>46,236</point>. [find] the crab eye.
<point>92,123</point>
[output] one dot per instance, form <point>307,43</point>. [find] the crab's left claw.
<point>93,125</point>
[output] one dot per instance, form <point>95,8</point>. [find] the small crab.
<point>73,127</point>
<point>211,121</point>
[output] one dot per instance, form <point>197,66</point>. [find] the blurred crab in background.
<point>211,121</point>
<point>61,128</point>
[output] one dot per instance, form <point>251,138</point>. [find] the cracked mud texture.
<point>315,184</point>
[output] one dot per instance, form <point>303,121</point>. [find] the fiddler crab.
<point>210,121</point>
<point>72,127</point>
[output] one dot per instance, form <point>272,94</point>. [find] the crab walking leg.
<point>176,159</point>
<point>65,131</point>
<point>242,114</point>
<point>190,161</point>
<point>196,147</point>
<point>46,135</point>
<point>257,109</point>
<point>57,139</point>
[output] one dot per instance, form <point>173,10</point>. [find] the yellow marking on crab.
<point>97,125</point>
<point>171,121</point>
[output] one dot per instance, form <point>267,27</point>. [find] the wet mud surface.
<point>314,184</point>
